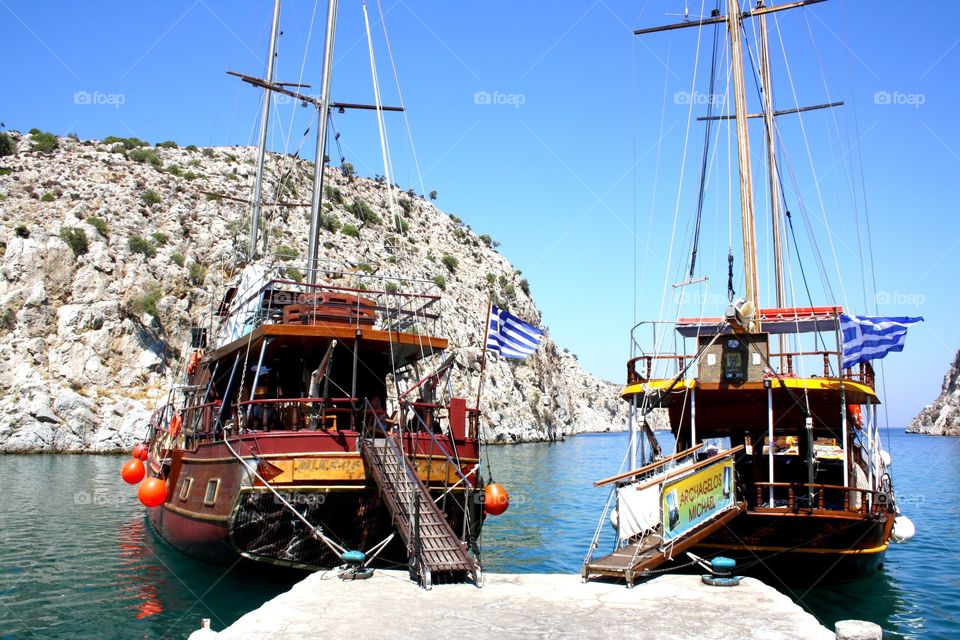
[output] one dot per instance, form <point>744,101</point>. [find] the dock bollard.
<point>858,630</point>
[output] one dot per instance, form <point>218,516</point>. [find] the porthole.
<point>185,487</point>
<point>213,488</point>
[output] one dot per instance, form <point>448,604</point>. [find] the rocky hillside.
<point>942,418</point>
<point>111,249</point>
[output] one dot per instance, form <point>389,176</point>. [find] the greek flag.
<point>510,336</point>
<point>869,338</point>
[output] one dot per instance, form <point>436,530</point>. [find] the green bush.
<point>400,224</point>
<point>47,197</point>
<point>44,142</point>
<point>148,156</point>
<point>365,268</point>
<point>177,258</point>
<point>450,262</point>
<point>8,321</point>
<point>159,238</point>
<point>491,279</point>
<point>8,146</point>
<point>350,230</point>
<point>440,282</point>
<point>490,242</point>
<point>294,274</point>
<point>433,194</point>
<point>208,152</point>
<point>147,303</point>
<point>406,205</point>
<point>174,170</point>
<point>150,197</point>
<point>391,287</point>
<point>167,144</point>
<point>128,143</point>
<point>191,147</point>
<point>215,197</point>
<point>76,239</point>
<point>197,273</point>
<point>189,175</point>
<point>525,287</point>
<point>141,245</point>
<point>363,211</point>
<point>287,253</point>
<point>231,158</point>
<point>333,194</point>
<point>330,222</point>
<point>347,169</point>
<point>510,291</point>
<point>99,224</point>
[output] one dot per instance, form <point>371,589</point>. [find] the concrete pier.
<point>389,605</point>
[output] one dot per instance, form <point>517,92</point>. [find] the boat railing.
<point>294,414</point>
<point>789,496</point>
<point>372,301</point>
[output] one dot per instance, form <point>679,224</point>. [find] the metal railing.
<point>797,497</point>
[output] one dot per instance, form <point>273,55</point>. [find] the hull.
<point>802,548</point>
<point>218,512</point>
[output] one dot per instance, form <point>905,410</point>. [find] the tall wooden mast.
<point>743,153</point>
<point>262,147</point>
<point>318,163</point>
<point>776,215</point>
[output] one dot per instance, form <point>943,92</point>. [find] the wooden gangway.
<point>432,546</point>
<point>637,559</point>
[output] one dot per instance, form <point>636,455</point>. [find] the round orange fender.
<point>175,423</point>
<point>856,411</point>
<point>192,363</point>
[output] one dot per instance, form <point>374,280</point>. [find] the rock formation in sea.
<point>112,250</point>
<point>942,418</point>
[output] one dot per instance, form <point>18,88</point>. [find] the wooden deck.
<point>637,559</point>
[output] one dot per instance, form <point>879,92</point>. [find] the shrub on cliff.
<point>150,197</point>
<point>75,238</point>
<point>450,262</point>
<point>99,224</point>
<point>8,146</point>
<point>197,274</point>
<point>141,245</point>
<point>363,211</point>
<point>44,142</point>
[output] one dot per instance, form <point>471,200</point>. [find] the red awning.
<point>785,320</point>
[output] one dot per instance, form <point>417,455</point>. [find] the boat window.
<point>782,446</point>
<point>213,488</point>
<point>185,488</point>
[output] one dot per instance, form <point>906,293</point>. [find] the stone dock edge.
<point>390,605</point>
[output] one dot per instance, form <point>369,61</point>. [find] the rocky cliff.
<point>112,249</point>
<point>942,418</point>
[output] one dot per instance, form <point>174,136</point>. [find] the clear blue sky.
<point>563,167</point>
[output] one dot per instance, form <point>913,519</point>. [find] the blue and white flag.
<point>510,336</point>
<point>870,338</point>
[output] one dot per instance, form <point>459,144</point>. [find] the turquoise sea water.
<point>77,559</point>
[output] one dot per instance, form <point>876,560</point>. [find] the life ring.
<point>176,422</point>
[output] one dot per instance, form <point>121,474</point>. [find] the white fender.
<point>615,518</point>
<point>886,459</point>
<point>903,529</point>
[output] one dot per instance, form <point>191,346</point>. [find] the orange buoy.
<point>138,450</point>
<point>133,471</point>
<point>153,492</point>
<point>856,411</point>
<point>144,452</point>
<point>495,499</point>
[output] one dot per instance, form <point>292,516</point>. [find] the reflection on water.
<point>78,560</point>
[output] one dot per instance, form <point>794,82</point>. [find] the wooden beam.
<point>780,7</point>
<point>780,112</point>
<point>280,87</point>
<point>645,468</point>
<point>703,463</point>
<point>681,25</point>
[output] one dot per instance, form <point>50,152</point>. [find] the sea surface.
<point>77,559</point>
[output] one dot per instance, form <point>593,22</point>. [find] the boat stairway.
<point>432,545</point>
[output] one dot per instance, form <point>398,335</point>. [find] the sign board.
<point>694,499</point>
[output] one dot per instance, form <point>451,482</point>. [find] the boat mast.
<point>743,153</point>
<point>318,164</point>
<point>262,148</point>
<point>776,215</point>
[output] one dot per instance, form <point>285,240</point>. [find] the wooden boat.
<point>312,428</point>
<point>812,481</point>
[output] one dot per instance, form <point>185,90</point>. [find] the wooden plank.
<point>645,468</point>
